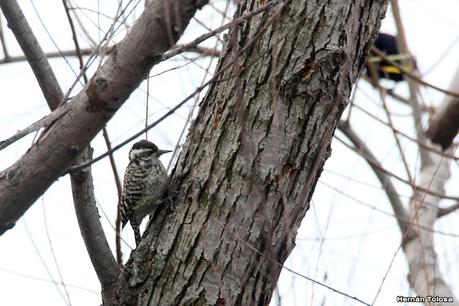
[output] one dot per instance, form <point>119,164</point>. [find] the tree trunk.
<point>253,156</point>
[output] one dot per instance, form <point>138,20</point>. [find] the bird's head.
<point>145,149</point>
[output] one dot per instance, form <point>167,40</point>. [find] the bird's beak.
<point>161,152</point>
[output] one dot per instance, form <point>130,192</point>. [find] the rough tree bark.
<point>253,156</point>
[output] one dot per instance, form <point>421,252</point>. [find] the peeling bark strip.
<point>257,141</point>
<point>157,29</point>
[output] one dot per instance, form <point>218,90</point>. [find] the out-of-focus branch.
<point>408,137</point>
<point>43,122</point>
<point>33,52</point>
<point>382,97</point>
<point>57,54</point>
<point>383,178</point>
<point>424,276</point>
<point>102,259</point>
<point>398,178</point>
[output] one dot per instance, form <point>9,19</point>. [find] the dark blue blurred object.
<point>387,44</point>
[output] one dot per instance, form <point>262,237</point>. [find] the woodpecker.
<point>145,182</point>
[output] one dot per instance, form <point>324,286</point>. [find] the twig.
<point>20,58</point>
<point>422,145</point>
<point>413,76</point>
<point>33,52</point>
<point>93,235</point>
<point>191,45</point>
<point>392,215</point>
<point>445,211</point>
<point>382,97</point>
<point>51,248</point>
<point>384,179</point>
<point>418,188</point>
<point>43,122</point>
<point>119,255</point>
<point>42,260</point>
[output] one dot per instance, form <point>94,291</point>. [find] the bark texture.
<point>253,156</point>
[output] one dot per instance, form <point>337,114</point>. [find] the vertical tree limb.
<point>383,178</point>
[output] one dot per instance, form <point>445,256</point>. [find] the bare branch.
<point>406,136</point>
<point>91,230</point>
<point>398,178</point>
<point>33,52</point>
<point>20,58</point>
<point>193,44</point>
<point>118,189</point>
<point>382,97</point>
<point>382,176</point>
<point>43,122</point>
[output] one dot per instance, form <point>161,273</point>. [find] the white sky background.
<point>359,242</point>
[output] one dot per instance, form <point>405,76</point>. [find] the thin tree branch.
<point>421,144</point>
<point>398,178</point>
<point>413,76</point>
<point>119,190</point>
<point>2,39</point>
<point>56,54</point>
<point>192,44</point>
<point>382,176</point>
<point>382,97</point>
<point>33,52</point>
<point>43,122</point>
<point>104,263</point>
